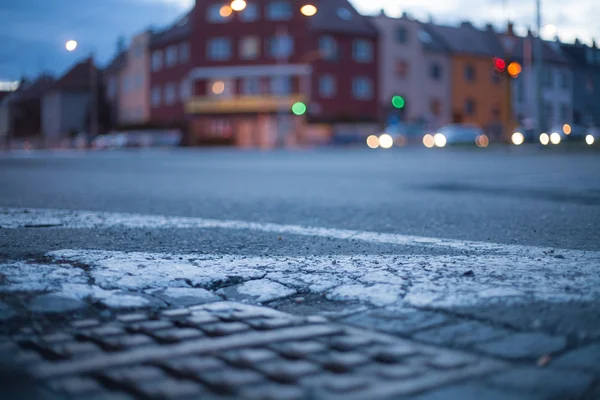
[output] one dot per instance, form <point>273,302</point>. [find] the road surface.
<point>493,253</point>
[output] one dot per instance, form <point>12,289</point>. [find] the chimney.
<point>577,42</point>
<point>382,13</point>
<point>489,27</point>
<point>510,28</point>
<point>594,43</point>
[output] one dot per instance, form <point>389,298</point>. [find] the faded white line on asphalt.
<point>12,218</point>
<point>117,278</point>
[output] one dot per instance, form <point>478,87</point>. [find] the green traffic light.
<point>299,108</point>
<point>398,101</point>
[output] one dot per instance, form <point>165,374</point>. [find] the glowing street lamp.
<point>308,10</point>
<point>71,45</point>
<point>238,5</point>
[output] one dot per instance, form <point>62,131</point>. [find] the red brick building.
<point>246,70</point>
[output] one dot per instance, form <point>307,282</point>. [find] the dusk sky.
<point>33,32</point>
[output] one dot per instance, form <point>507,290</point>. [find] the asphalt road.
<point>508,195</point>
<point>492,251</point>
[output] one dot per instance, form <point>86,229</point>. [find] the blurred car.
<point>460,134</point>
<point>406,133</point>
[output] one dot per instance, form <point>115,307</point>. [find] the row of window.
<point>173,55</point>
<point>362,88</point>
<point>402,70</point>
<point>275,11</point>
<point>282,46</point>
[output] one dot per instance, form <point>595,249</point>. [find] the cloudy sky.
<point>33,32</point>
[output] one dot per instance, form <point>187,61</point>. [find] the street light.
<point>71,45</point>
<point>308,10</point>
<point>238,5</point>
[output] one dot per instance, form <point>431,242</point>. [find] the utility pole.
<point>539,67</point>
<point>93,102</point>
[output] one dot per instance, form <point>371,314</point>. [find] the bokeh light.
<point>218,87</point>
<point>373,141</point>
<point>567,129</point>
<point>299,108</point>
<point>428,141</point>
<point>238,5</point>
<point>308,10</point>
<point>400,141</point>
<point>555,138</point>
<point>589,139</point>
<point>225,11</point>
<point>398,102</point>
<point>386,141</point>
<point>514,69</point>
<point>439,140</point>
<point>71,45</point>
<point>482,141</point>
<point>518,138</point>
<point>544,139</point>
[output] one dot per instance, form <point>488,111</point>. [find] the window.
<point>281,46</point>
<point>281,85</point>
<point>401,34</point>
<point>327,86</point>
<point>279,11</point>
<point>435,106</point>
<point>328,48</point>
<point>251,86</point>
<point>214,14</point>
<point>564,113</point>
<point>435,71</point>
<point>250,13</point>
<point>362,51</point>
<point>111,89</point>
<point>157,60</point>
<point>184,52</point>
<point>362,88</point>
<point>469,73</point>
<point>171,56</point>
<point>138,81</point>
<point>547,77</point>
<point>155,96</point>
<point>470,107</point>
<point>185,89</point>
<point>219,49</point>
<point>170,94</point>
<point>402,69</point>
<point>564,80</point>
<point>249,47</point>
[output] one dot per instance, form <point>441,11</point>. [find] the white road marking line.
<point>12,218</point>
<point>123,278</point>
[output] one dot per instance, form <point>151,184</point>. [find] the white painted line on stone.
<point>12,218</point>
<point>120,279</point>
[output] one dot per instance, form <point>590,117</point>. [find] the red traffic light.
<point>499,64</point>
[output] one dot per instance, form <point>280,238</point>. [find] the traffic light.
<point>499,64</point>
<point>299,108</point>
<point>398,102</point>
<point>514,69</point>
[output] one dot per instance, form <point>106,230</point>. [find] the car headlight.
<point>518,138</point>
<point>555,138</point>
<point>439,140</point>
<point>589,139</point>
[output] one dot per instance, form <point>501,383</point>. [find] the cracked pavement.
<point>500,273</point>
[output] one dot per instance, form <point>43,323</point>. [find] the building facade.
<point>479,93</point>
<point>415,66</point>
<point>586,82</point>
<point>249,68</point>
<point>134,82</point>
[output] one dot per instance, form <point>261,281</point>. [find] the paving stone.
<point>176,313</point>
<point>524,345</point>
<point>396,321</point>
<point>340,362</point>
<point>393,353</point>
<point>399,371</point>
<point>299,350</point>
<point>192,366</point>
<point>288,371</point>
<point>185,297</point>
<point>150,326</point>
<point>76,386</point>
<point>130,376</point>
<point>349,342</point>
<point>125,342</point>
<point>6,312</point>
<point>474,391</point>
<point>198,318</point>
<point>345,384</point>
<point>85,323</point>
<point>463,333</point>
<point>76,349</point>
<point>585,358</point>
<point>273,323</point>
<point>166,389</point>
<point>224,329</point>
<point>134,317</point>
<point>249,357</point>
<point>257,291</point>
<point>450,361</point>
<point>51,303</point>
<point>559,384</point>
<point>106,330</point>
<point>56,338</point>
<point>273,392</point>
<point>227,380</point>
